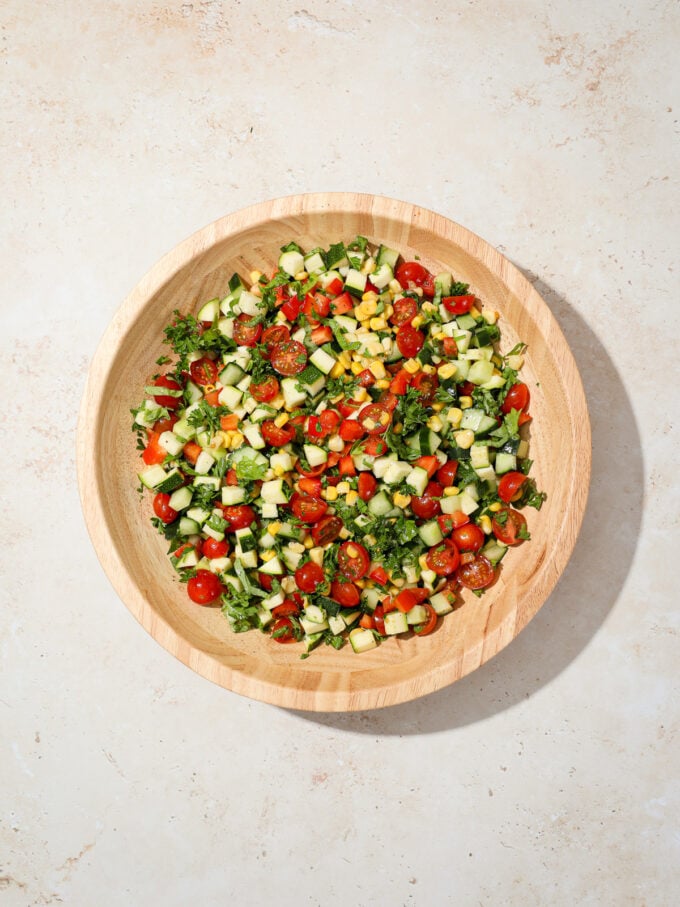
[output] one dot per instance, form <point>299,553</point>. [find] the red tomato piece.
<point>509,528</point>
<point>446,474</point>
<point>287,608</point>
<point>266,390</point>
<point>345,592</point>
<point>389,400</point>
<point>322,334</point>
<point>213,549</point>
<point>272,336</point>
<point>351,430</point>
<point>450,348</point>
<point>162,508</point>
<point>400,383</point>
<point>346,466</point>
<point>405,600</point>
<point>509,487</point>
<point>335,286</point>
<point>412,274</point>
<point>427,506</point>
<point>326,530</point>
<point>308,509</point>
<point>426,385</point>
<point>153,453</point>
<point>247,331</point>
<point>366,621</point>
<point>166,400</point>
<point>317,305</point>
<point>289,358</point>
<point>379,576</point>
<point>164,424</point>
<point>405,310</point>
<point>379,619</point>
<point>429,464</point>
<point>366,378</point>
<point>458,305</point>
<point>283,630</point>
<point>277,436</point>
<point>342,304</point>
<point>204,588</point>
<point>353,560</point>
<point>291,308</point>
<point>476,573</point>
<point>368,485</point>
<point>313,471</point>
<point>309,577</point>
<point>430,623</point>
<point>444,558</point>
<point>310,486</point>
<point>192,451</point>
<point>410,341</point>
<point>375,418</point>
<point>238,516</point>
<point>330,420</point>
<point>518,397</point>
<point>468,537</point>
<point>375,446</point>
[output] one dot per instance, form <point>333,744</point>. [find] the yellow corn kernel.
<point>435,423</point>
<point>267,555</point>
<point>236,440</point>
<point>344,533</point>
<point>368,266</point>
<point>465,402</point>
<point>417,321</point>
<point>397,429</point>
<point>281,420</point>
<point>437,407</point>
<point>484,523</point>
<point>378,324</point>
<point>351,498</point>
<point>308,542</point>
<point>337,398</point>
<point>342,487</point>
<point>418,291</point>
<point>369,303</point>
<point>356,368</point>
<point>345,358</point>
<point>377,369</point>
<point>411,366</point>
<point>464,439</point>
<point>451,491</point>
<point>389,310</point>
<point>279,471</point>
<point>337,370</point>
<point>448,370</point>
<point>428,307</point>
<point>440,336</point>
<point>225,437</point>
<point>494,508</point>
<point>429,369</point>
<point>401,500</point>
<point>497,361</point>
<point>277,402</point>
<point>360,312</point>
<point>255,276</point>
<point>382,384</point>
<point>395,286</point>
<point>398,583</point>
<point>360,394</point>
<point>361,583</point>
<point>453,416</point>
<point>490,317</point>
<point>301,275</point>
<point>274,528</point>
<point>474,311</point>
<point>331,493</point>
<point>422,560</point>
<point>316,555</point>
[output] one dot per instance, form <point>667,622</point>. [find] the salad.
<point>335,451</point>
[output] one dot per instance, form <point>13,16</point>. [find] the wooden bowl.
<point>134,555</point>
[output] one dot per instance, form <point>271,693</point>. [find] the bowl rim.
<point>195,245</point>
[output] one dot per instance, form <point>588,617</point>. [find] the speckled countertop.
<point>549,776</point>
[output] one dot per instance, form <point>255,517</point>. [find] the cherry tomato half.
<point>203,371</point>
<point>326,530</point>
<point>508,528</point>
<point>353,560</point>
<point>162,508</point>
<point>289,358</point>
<point>367,486</point>
<point>405,310</point>
<point>239,516</point>
<point>266,390</point>
<point>345,592</point>
<point>277,436</point>
<point>272,336</point>
<point>287,607</point>
<point>518,397</point>
<point>510,486</point>
<point>213,549</point>
<point>426,385</point>
<point>375,418</point>
<point>410,341</point>
<point>444,558</point>
<point>468,537</point>
<point>308,509</point>
<point>458,305</point>
<point>165,400</point>
<point>427,506</point>
<point>430,623</point>
<point>412,273</point>
<point>446,474</point>
<point>204,588</point>
<point>283,630</point>
<point>309,576</point>
<point>476,573</point>
<point>247,331</point>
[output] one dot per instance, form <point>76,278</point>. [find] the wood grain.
<point>134,556</point>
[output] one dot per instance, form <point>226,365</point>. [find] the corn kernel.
<point>428,307</point>
<point>398,583</point>
<point>331,493</point>
<point>401,500</point>
<point>255,276</point>
<point>368,266</point>
<point>490,317</point>
<point>301,275</point>
<point>453,416</point>
<point>279,471</point>
<point>422,560</point>
<point>369,303</point>
<point>356,368</point>
<point>382,384</point>
<point>465,439</point>
<point>342,487</point>
<point>345,358</point>
<point>398,428</point>
<point>437,407</point>
<point>225,437</point>
<point>344,533</point>
<point>474,311</point>
<point>351,498</point>
<point>389,310</point>
<point>495,507</point>
<point>411,366</point>
<point>360,394</point>
<point>308,542</point>
<point>448,370</point>
<point>316,555</point>
<point>366,324</point>
<point>267,555</point>
<point>417,321</point>
<point>465,402</point>
<point>484,524</point>
<point>395,286</point>
<point>451,491</point>
<point>429,369</point>
<point>378,324</point>
<point>440,336</point>
<point>435,423</point>
<point>237,440</point>
<point>281,420</point>
<point>274,528</point>
<point>361,583</point>
<point>337,370</point>
<point>277,402</point>
<point>377,369</point>
<point>360,312</point>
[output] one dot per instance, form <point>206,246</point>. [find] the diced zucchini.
<point>395,622</point>
<point>315,455</point>
<point>380,504</point>
<point>430,533</point>
<point>505,462</point>
<point>233,494</point>
<point>249,304</point>
<point>180,499</point>
<point>291,262</point>
<point>188,526</point>
<point>417,479</point>
<point>396,472</point>
<point>355,282</point>
<point>274,567</point>
<point>314,261</point>
<point>230,397</point>
<point>253,436</point>
<point>273,493</point>
<point>479,456</point>
<point>362,640</point>
<point>204,463</point>
<point>480,372</point>
<point>152,476</point>
<point>382,275</point>
<point>387,256</point>
<point>322,360</point>
<point>441,604</point>
<point>292,394</point>
<point>417,615</point>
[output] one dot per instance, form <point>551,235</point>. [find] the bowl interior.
<point>134,556</point>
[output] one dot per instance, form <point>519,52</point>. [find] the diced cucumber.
<point>466,322</point>
<point>480,372</point>
<point>248,558</point>
<point>281,459</point>
<point>441,604</point>
<point>291,262</point>
<point>382,275</point>
<point>226,327</point>
<point>315,614</point>
<point>477,421</point>
<point>231,374</point>
<point>193,392</point>
<point>328,277</point>
<point>233,494</point>
<point>249,304</point>
<point>188,526</point>
<point>292,394</point>
<point>387,256</point>
<point>479,456</point>
<point>380,504</point>
<point>204,463</point>
<point>337,625</point>
<point>152,476</point>
<point>273,601</point>
<point>322,360</point>
<point>312,640</point>
<point>180,499</point>
<point>396,472</point>
<point>230,397</point>
<point>253,436</point>
<point>425,442</point>
<point>209,310</point>
<point>395,622</point>
<point>274,567</point>
<point>362,640</point>
<point>173,480</point>
<point>494,551</point>
<point>188,558</point>
<point>417,615</point>
<point>314,261</point>
<point>291,558</point>
<point>505,462</point>
<point>371,597</point>
<point>213,481</point>
<point>443,283</point>
<point>246,459</point>
<point>417,479</point>
<point>315,455</point>
<point>430,533</point>
<point>273,493</point>
<point>487,474</point>
<point>382,464</point>
<point>494,382</point>
<point>169,441</point>
<point>264,616</point>
<point>355,282</point>
<point>198,514</point>
<point>245,539</point>
<point>183,430</point>
<point>336,257</point>
<point>311,627</point>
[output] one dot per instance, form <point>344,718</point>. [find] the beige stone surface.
<point>550,776</point>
